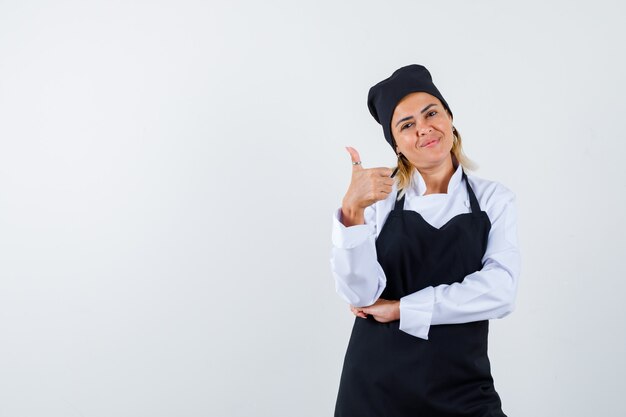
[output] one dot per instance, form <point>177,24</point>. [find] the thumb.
<point>355,157</point>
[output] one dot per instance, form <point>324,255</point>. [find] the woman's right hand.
<point>367,186</point>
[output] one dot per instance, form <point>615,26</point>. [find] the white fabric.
<point>482,295</point>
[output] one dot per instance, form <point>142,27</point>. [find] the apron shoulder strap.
<point>472,197</point>
<point>399,204</point>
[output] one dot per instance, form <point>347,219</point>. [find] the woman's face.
<point>422,129</point>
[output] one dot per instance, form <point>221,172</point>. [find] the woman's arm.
<point>485,294</point>
<point>359,278</point>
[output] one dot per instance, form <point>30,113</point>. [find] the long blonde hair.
<point>405,168</point>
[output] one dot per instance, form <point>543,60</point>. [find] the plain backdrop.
<point>168,171</point>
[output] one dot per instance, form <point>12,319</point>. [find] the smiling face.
<point>422,129</point>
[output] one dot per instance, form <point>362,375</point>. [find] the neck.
<point>438,177</point>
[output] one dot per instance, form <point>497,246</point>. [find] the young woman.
<point>425,256</point>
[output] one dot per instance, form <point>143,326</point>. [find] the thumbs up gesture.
<point>367,186</point>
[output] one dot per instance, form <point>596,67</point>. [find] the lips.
<point>429,142</point>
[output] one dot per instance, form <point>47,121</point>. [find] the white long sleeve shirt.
<point>485,294</point>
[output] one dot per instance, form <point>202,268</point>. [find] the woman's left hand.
<point>382,310</point>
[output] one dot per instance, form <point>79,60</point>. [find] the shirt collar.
<point>419,186</point>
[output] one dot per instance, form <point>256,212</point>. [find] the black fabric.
<point>384,96</point>
<point>389,373</point>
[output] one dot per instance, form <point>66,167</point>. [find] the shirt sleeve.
<point>359,278</point>
<point>483,295</point>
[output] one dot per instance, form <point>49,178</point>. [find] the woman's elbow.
<point>353,295</point>
<point>358,288</point>
<point>505,292</point>
<point>506,309</point>
<point>506,303</point>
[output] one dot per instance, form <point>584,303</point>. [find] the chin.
<point>432,162</point>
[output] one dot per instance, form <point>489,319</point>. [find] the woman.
<point>425,258</point>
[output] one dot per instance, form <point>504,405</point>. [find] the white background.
<point>168,172</point>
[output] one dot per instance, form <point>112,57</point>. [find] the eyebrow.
<point>410,117</point>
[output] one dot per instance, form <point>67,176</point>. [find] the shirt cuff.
<point>349,237</point>
<point>416,312</point>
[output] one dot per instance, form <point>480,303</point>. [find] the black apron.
<point>389,373</point>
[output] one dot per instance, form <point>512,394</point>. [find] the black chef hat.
<point>384,96</point>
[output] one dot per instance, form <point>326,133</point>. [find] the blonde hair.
<point>405,168</point>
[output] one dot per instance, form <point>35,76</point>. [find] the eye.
<point>432,113</point>
<point>407,125</point>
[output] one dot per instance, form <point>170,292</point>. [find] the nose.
<point>424,129</point>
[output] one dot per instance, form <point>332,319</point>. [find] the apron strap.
<point>399,204</point>
<point>472,197</point>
